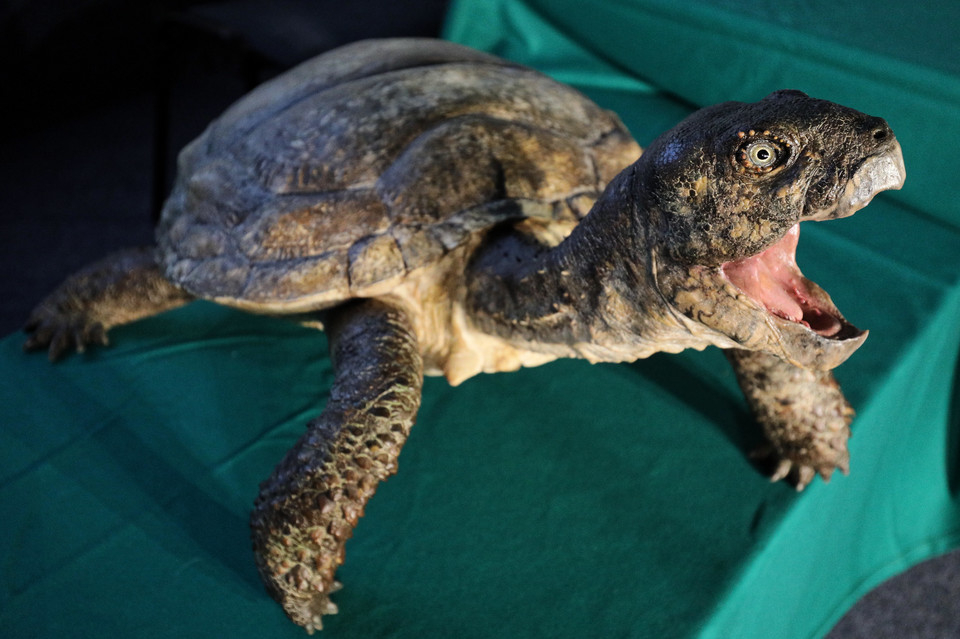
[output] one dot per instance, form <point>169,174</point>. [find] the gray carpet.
<point>78,168</point>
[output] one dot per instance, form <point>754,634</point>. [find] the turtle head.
<point>725,191</point>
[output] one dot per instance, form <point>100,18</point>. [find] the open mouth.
<point>773,280</point>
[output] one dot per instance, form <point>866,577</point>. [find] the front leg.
<point>803,413</point>
<point>118,289</point>
<point>308,508</point>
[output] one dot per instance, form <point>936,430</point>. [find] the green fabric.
<point>893,268</point>
<point>884,57</point>
<point>568,500</point>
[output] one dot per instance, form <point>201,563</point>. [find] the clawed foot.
<point>322,605</point>
<point>801,471</point>
<point>60,330</point>
<point>803,414</point>
<point>121,288</point>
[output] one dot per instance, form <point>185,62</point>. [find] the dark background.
<point>98,96</point>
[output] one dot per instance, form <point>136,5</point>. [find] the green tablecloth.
<point>568,500</point>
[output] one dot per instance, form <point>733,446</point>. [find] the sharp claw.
<point>783,469</point>
<point>58,345</point>
<point>59,337</point>
<point>31,343</point>
<point>79,341</point>
<point>805,475</point>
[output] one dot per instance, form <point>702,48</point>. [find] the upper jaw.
<point>815,334</point>
<point>881,171</point>
<point>807,331</point>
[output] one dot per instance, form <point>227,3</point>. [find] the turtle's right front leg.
<point>308,508</point>
<point>118,289</point>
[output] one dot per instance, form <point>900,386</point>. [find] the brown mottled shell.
<point>362,166</point>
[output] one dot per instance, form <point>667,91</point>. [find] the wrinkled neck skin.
<point>593,296</point>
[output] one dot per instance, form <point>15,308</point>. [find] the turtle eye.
<point>761,155</point>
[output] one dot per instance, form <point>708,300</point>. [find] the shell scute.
<point>418,245</point>
<point>298,227</point>
<point>354,61</point>
<point>374,260</point>
<point>300,284</point>
<point>361,166</point>
<point>230,272</point>
<point>506,160</point>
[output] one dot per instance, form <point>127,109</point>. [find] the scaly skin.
<point>121,288</point>
<point>803,414</point>
<point>307,509</point>
<point>279,211</point>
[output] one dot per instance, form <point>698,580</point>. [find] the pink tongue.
<point>772,277</point>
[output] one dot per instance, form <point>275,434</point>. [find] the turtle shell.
<point>363,165</point>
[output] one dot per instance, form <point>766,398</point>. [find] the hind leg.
<point>119,289</point>
<point>308,508</point>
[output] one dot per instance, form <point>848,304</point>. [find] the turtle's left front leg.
<point>308,508</point>
<point>803,413</point>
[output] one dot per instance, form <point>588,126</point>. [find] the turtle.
<point>439,210</point>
